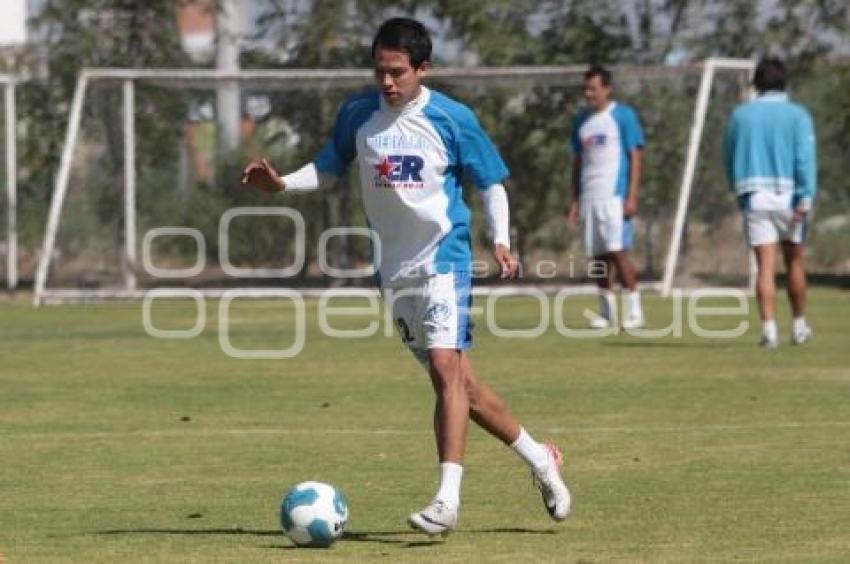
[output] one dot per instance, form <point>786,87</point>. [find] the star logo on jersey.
<point>399,172</point>
<point>385,168</point>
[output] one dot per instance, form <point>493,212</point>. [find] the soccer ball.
<point>313,514</point>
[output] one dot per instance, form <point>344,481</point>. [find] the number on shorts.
<point>404,330</point>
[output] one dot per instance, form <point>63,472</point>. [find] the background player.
<point>607,143</point>
<point>770,161</point>
<point>413,145</point>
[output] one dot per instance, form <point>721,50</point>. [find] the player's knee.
<point>445,370</point>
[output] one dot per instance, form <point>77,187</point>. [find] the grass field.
<point>119,447</point>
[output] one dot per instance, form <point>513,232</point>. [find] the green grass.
<point>677,449</point>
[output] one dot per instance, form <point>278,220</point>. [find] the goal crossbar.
<point>298,79</point>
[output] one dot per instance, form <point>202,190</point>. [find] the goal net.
<point>147,195</point>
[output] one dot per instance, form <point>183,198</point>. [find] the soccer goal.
<point>711,68</point>
<point>10,244</point>
<point>147,198</point>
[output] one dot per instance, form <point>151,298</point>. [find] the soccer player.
<point>607,144</point>
<point>414,146</point>
<point>770,162</point>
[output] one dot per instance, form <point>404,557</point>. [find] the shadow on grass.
<point>706,344</point>
<point>377,537</point>
<point>232,531</point>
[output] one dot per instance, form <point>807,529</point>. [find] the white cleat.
<point>767,342</point>
<point>599,322</point>
<point>556,496</point>
<point>437,518</point>
<point>634,322</point>
<point>802,335</point>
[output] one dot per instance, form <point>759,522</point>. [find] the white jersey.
<point>603,141</point>
<point>412,161</point>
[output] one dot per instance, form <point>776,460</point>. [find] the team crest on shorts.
<point>438,312</point>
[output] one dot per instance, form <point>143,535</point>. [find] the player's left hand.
<point>630,207</point>
<point>508,265</point>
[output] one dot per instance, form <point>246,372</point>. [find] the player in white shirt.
<point>414,146</point>
<point>607,144</point>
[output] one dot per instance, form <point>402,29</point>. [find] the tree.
<point>97,33</point>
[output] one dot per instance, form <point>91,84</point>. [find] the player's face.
<point>596,93</point>
<point>395,76</point>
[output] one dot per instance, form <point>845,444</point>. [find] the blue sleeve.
<point>630,130</point>
<point>477,154</point>
<point>729,150</point>
<point>341,148</point>
<point>575,138</point>
<point>805,160</point>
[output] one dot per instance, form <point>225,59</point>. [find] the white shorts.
<point>767,227</point>
<point>605,228</point>
<point>433,313</point>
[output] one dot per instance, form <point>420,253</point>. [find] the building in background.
<point>13,23</point>
<point>21,54</point>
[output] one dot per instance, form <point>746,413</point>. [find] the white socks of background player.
<point>631,304</point>
<point>607,305</point>
<point>768,329</point>
<point>530,450</point>
<point>451,474</point>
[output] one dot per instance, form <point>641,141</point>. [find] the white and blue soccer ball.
<point>313,514</point>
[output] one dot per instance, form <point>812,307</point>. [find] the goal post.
<point>710,67</point>
<point>8,84</point>
<point>128,282</point>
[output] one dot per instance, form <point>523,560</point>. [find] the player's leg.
<point>452,403</point>
<point>486,408</point>
<point>441,321</point>
<point>489,411</point>
<point>762,229</point>
<point>632,310</point>
<point>794,253</point>
<point>766,292</point>
<point>794,264</point>
<point>620,241</point>
<point>594,247</point>
<point>451,422</point>
<point>607,299</point>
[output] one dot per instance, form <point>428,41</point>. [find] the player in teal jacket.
<point>771,166</point>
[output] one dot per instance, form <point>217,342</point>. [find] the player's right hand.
<point>262,175</point>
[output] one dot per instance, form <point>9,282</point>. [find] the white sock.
<point>450,477</point>
<point>530,450</point>
<point>768,329</point>
<point>632,303</point>
<point>799,324</point>
<point>607,305</point>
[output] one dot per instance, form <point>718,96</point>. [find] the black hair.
<point>600,71</point>
<point>404,34</point>
<point>770,75</point>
